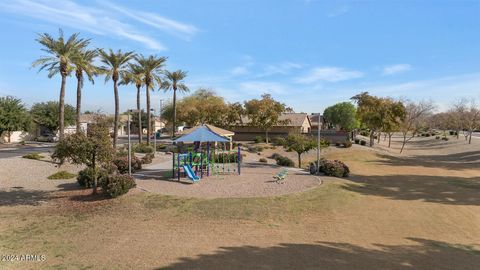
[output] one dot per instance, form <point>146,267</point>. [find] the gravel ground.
<point>17,173</point>
<point>256,180</point>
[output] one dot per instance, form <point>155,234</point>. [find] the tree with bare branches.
<point>415,119</point>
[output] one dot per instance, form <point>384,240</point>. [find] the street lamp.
<point>154,132</point>
<point>129,141</point>
<point>318,143</point>
<point>129,145</point>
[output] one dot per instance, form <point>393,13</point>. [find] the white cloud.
<point>162,23</point>
<point>259,87</point>
<point>238,71</point>
<point>243,69</point>
<point>282,68</point>
<point>94,20</point>
<point>329,74</point>
<point>394,69</point>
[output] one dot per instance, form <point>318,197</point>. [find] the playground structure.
<point>203,152</point>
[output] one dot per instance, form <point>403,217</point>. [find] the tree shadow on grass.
<point>422,254</point>
<point>19,196</point>
<point>74,192</point>
<point>436,189</point>
<point>458,161</point>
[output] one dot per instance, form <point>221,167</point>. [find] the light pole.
<point>154,132</point>
<point>160,116</point>
<point>129,145</point>
<point>318,144</point>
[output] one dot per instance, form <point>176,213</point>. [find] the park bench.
<point>281,176</point>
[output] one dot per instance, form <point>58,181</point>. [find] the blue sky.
<point>308,54</point>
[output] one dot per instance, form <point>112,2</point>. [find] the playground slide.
<point>190,173</point>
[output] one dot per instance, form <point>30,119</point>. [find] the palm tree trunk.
<point>174,111</point>
<point>61,104</point>
<point>140,129</point>
<point>79,102</point>
<point>117,112</point>
<point>149,124</point>
<point>299,160</point>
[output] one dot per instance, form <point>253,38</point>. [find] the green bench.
<point>281,176</point>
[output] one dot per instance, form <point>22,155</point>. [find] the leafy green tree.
<point>83,62</point>
<point>92,149</point>
<point>151,68</point>
<point>300,144</point>
<point>13,116</point>
<point>46,114</point>
<point>115,68</point>
<point>59,60</point>
<point>204,107</point>
<point>369,112</point>
<point>134,75</point>
<point>233,114</point>
<point>393,115</point>
<point>342,114</point>
<point>265,113</point>
<point>174,82</point>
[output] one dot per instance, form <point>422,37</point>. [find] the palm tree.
<point>134,75</point>
<point>152,70</point>
<point>175,82</point>
<point>59,60</point>
<point>83,63</point>
<point>115,68</point>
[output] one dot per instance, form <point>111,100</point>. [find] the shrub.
<point>275,156</point>
<point>347,144</point>
<point>324,143</point>
<point>161,147</point>
<point>278,141</point>
<point>35,156</point>
<point>61,175</point>
<point>122,164</point>
<point>363,142</point>
<point>444,139</point>
<point>143,148</point>
<point>254,149</point>
<point>85,177</point>
<point>427,135</point>
<point>119,184</point>
<point>423,134</point>
<point>259,139</point>
<point>338,144</point>
<point>284,161</point>
<point>334,168</point>
<point>452,132</point>
<point>263,160</point>
<point>357,141</point>
<point>226,157</point>
<point>147,159</point>
<point>437,137</point>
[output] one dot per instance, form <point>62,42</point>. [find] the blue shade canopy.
<point>202,134</point>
